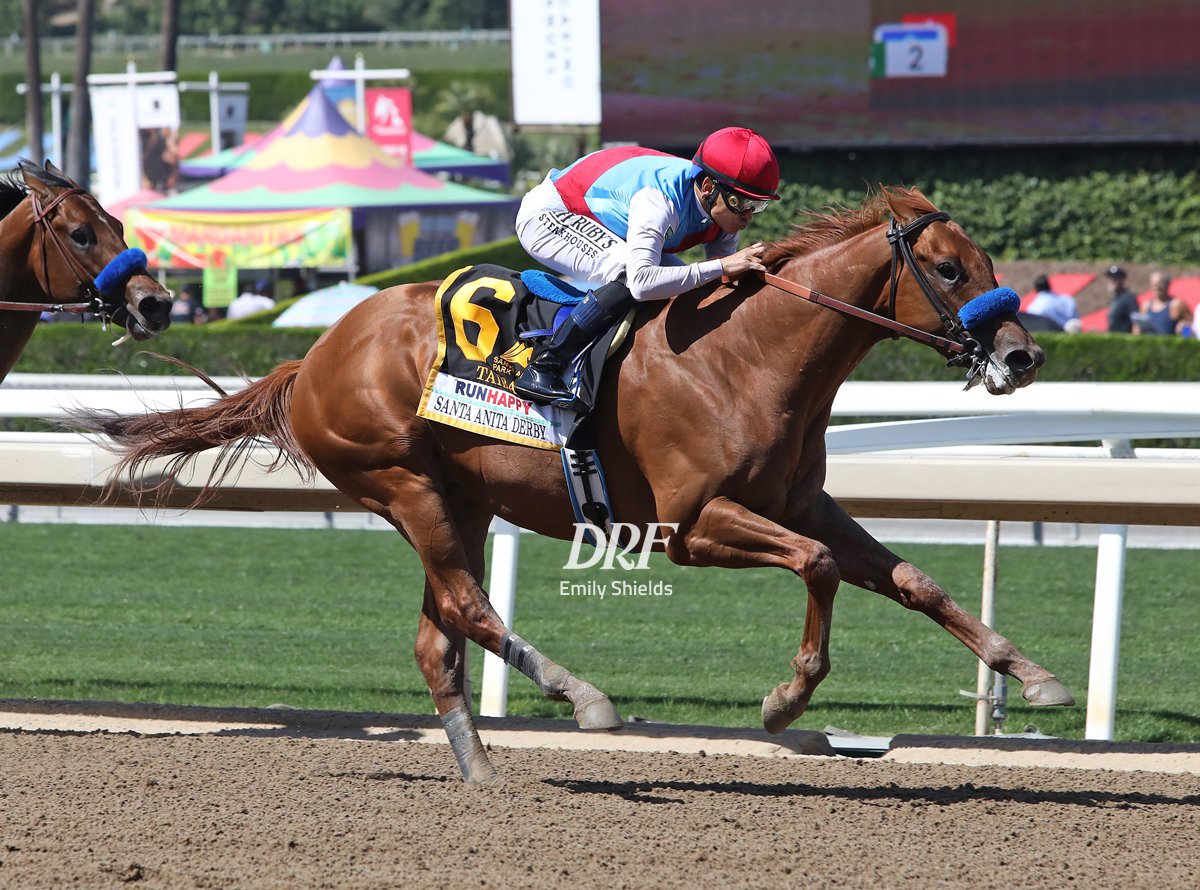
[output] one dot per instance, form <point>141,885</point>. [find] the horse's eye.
<point>83,236</point>
<point>949,271</point>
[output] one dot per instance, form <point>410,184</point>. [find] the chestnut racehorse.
<point>60,251</point>
<point>712,419</point>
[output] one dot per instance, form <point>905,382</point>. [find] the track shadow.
<point>927,795</point>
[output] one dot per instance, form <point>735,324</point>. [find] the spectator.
<point>1059,308</point>
<point>1163,314</point>
<point>1122,302</point>
<point>255,300</point>
<point>186,305</point>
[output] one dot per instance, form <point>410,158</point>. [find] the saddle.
<point>488,317</point>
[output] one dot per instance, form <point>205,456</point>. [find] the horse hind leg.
<point>448,532</point>
<point>441,655</point>
<point>593,709</point>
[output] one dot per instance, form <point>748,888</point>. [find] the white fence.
<point>960,461</point>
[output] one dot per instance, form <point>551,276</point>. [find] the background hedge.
<point>253,347</point>
<point>1134,204</point>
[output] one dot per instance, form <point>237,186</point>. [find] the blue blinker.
<point>120,269</point>
<point>988,305</point>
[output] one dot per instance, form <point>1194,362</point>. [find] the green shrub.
<point>253,347</point>
<point>1091,358</point>
<point>506,252</point>
<point>1093,203</point>
<point>66,348</point>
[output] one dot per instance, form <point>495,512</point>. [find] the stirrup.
<point>574,403</point>
<point>540,390</point>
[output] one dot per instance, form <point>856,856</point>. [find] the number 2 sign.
<point>910,50</point>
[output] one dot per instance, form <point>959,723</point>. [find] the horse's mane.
<point>13,188</point>
<point>12,193</point>
<point>837,224</point>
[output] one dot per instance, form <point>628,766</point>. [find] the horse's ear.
<point>35,178</point>
<point>43,180</point>
<point>53,170</point>
<point>907,204</point>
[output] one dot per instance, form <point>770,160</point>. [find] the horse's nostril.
<point>154,307</point>
<point>1021,361</point>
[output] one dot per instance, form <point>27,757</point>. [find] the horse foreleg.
<point>866,563</point>
<point>726,534</point>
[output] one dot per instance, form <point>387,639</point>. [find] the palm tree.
<point>460,100</point>
<point>170,36</point>
<point>33,81</point>
<point>79,160</point>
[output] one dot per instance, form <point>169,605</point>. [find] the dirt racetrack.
<point>276,809</point>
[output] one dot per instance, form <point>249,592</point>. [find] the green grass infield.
<point>326,619</point>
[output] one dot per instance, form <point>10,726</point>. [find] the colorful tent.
<point>429,156</point>
<point>311,181</point>
<point>316,159</point>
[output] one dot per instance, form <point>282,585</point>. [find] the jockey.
<point>617,217</point>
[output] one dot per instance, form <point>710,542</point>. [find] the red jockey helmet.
<point>742,160</point>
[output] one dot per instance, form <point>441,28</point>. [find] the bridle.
<point>97,303</point>
<point>960,347</point>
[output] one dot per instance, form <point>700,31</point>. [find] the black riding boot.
<point>542,380</point>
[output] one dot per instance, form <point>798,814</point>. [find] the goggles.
<point>739,203</point>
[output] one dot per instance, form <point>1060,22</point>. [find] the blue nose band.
<point>122,267</point>
<point>988,305</point>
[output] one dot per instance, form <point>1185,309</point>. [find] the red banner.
<point>389,120</point>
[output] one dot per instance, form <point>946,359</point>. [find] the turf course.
<point>326,619</point>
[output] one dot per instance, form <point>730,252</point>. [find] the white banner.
<point>233,109</point>
<point>118,154</point>
<point>136,129</point>
<point>158,136</point>
<point>556,62</point>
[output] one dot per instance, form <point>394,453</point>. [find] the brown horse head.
<point>74,240</point>
<point>899,258</point>
<point>958,271</point>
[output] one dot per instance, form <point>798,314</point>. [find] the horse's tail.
<point>233,424</point>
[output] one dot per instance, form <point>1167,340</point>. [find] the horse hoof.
<point>1047,693</point>
<point>599,713</point>
<point>776,716</point>
<point>482,777</point>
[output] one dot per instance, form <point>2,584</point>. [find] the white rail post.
<point>1106,633</point>
<point>987,614</point>
<point>502,589</point>
<point>1106,619</point>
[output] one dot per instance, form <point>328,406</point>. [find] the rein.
<point>814,296</point>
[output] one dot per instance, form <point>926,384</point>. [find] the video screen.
<point>870,73</point>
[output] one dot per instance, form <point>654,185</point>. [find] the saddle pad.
<point>481,312</point>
